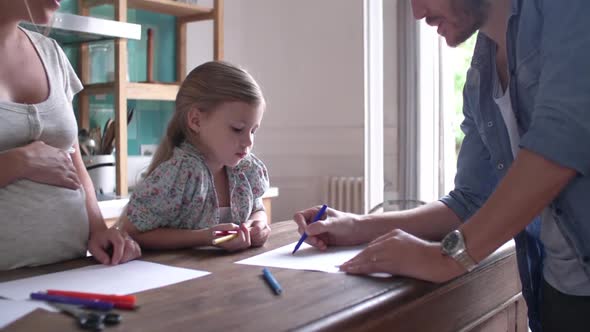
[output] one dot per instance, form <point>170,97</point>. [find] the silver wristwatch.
<point>453,245</point>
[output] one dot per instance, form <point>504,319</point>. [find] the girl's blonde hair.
<point>206,87</point>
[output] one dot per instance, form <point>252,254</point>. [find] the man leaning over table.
<point>523,169</point>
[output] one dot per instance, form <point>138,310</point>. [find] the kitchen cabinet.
<point>124,90</point>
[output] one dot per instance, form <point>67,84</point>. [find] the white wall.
<point>308,57</point>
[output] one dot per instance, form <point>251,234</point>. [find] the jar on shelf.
<point>102,62</point>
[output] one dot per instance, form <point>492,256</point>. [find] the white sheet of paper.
<point>13,310</point>
<point>131,277</point>
<point>306,258</point>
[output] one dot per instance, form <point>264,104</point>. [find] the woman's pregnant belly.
<point>41,224</point>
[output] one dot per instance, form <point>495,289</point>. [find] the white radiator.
<point>345,193</point>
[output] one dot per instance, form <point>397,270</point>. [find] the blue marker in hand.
<point>317,217</point>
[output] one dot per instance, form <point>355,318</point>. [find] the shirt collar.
<point>193,151</point>
<point>515,8</point>
<point>190,149</point>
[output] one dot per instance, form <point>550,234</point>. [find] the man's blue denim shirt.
<point>548,47</point>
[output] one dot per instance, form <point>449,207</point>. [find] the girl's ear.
<point>193,119</point>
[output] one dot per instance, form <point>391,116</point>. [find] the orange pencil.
<point>224,238</point>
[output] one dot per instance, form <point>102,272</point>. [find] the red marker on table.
<point>120,301</point>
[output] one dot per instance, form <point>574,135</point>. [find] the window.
<point>456,62</point>
<point>429,78</point>
<point>442,71</point>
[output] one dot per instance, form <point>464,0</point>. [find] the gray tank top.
<point>42,224</point>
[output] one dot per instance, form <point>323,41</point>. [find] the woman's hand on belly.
<point>45,164</point>
<point>113,246</point>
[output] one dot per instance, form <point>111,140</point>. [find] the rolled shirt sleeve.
<point>475,179</point>
<point>560,127</point>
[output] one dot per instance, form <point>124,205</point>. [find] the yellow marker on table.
<point>224,239</point>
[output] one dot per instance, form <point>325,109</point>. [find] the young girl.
<point>203,178</point>
<point>47,202</point>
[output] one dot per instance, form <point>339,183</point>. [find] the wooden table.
<point>235,298</point>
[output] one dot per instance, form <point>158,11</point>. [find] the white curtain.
<point>373,83</point>
<point>408,117</point>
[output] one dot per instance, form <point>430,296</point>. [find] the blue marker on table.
<point>90,304</point>
<point>272,282</point>
<point>317,217</point>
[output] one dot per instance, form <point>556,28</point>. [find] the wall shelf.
<point>137,90</point>
<point>168,7</point>
<point>68,29</point>
<point>121,88</point>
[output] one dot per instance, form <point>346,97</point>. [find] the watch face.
<point>450,242</point>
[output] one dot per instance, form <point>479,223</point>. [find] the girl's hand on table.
<point>259,232</point>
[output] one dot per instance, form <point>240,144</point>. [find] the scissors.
<point>89,320</point>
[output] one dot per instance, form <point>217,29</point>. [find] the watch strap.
<point>465,260</point>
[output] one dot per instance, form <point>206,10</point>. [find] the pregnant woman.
<point>48,208</point>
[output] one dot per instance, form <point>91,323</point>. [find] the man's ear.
<point>193,119</point>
